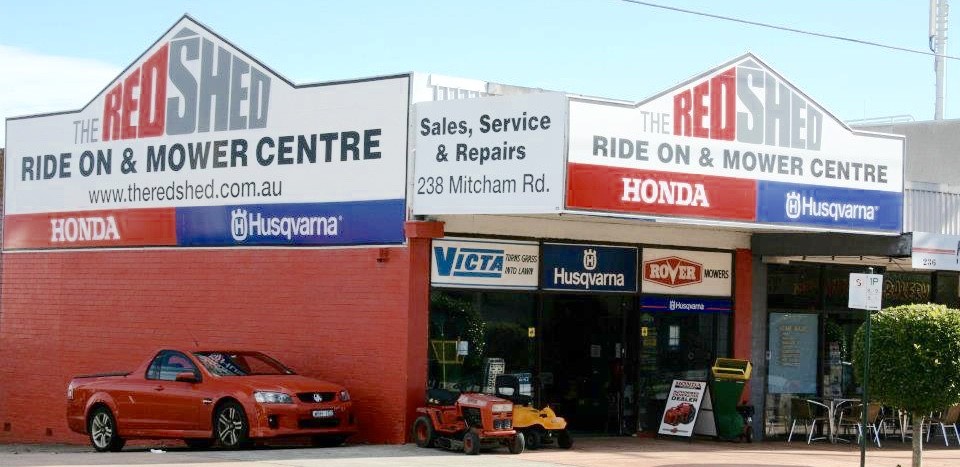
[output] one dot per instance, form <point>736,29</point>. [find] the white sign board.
<point>738,143</point>
<point>866,291</point>
<point>198,126</point>
<point>480,263</point>
<point>683,407</point>
<point>491,155</point>
<point>935,251</point>
<point>686,272</point>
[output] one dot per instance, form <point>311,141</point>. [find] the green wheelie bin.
<point>730,375</point>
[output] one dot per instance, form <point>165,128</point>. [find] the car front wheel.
<point>103,431</point>
<point>233,431</point>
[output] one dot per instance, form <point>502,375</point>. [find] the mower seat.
<point>438,396</point>
<point>508,387</point>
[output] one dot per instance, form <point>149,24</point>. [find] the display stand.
<point>683,408</point>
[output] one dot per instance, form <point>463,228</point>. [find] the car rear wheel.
<point>233,431</point>
<point>103,431</point>
<point>471,443</point>
<point>423,433</point>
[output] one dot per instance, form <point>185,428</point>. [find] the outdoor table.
<point>832,405</point>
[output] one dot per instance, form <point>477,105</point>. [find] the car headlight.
<point>270,397</point>
<point>344,395</point>
<point>500,408</point>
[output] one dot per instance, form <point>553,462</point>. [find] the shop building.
<point>807,276</point>
<point>394,232</point>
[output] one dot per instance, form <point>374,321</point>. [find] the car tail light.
<point>70,392</point>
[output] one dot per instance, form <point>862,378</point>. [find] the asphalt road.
<point>598,452</point>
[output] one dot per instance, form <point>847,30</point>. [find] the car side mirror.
<point>187,377</point>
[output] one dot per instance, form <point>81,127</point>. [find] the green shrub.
<point>914,357</point>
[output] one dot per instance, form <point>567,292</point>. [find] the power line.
<point>784,28</point>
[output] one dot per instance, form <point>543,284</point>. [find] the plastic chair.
<point>947,418</point>
<point>853,417</point>
<point>803,412</point>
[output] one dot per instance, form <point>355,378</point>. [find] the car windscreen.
<point>241,364</point>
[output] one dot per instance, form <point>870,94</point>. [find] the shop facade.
<point>397,232</point>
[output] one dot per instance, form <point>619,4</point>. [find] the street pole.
<point>865,392</point>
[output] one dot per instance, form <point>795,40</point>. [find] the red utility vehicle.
<point>202,397</point>
<point>466,421</point>
<point>682,413</point>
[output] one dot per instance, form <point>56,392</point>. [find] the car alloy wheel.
<point>103,431</point>
<point>232,429</point>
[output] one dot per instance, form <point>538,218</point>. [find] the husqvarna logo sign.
<point>793,205</point>
<point>589,260</point>
<point>593,268</point>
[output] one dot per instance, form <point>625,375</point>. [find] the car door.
<point>173,405</point>
<point>133,399</point>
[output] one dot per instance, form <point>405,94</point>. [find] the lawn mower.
<point>467,422</point>
<point>537,422</point>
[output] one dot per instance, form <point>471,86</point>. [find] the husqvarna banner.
<point>589,268</point>
<point>484,264</point>
<point>736,144</point>
<point>197,143</point>
<point>686,272</point>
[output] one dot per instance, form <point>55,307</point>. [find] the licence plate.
<point>323,413</point>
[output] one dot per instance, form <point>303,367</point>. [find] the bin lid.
<point>732,368</point>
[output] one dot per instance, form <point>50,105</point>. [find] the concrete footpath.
<point>598,452</point>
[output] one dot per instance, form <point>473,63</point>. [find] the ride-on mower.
<point>466,421</point>
<point>537,422</point>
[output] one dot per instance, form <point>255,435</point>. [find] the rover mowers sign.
<point>196,143</point>
<point>484,263</point>
<point>736,144</point>
<point>490,155</point>
<point>683,405</point>
<point>686,272</point>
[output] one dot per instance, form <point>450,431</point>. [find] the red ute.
<point>232,397</point>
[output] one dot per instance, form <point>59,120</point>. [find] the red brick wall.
<point>337,314</point>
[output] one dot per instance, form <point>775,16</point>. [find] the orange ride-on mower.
<point>537,422</point>
<point>466,421</point>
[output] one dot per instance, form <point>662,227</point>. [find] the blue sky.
<point>56,55</point>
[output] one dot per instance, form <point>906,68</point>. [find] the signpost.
<point>866,292</point>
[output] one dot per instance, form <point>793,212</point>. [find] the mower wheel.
<point>516,445</point>
<point>423,433</point>
<point>564,440</point>
<point>534,439</point>
<point>471,443</point>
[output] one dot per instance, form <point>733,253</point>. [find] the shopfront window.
<point>675,346</point>
<point>467,328</point>
<point>805,316</point>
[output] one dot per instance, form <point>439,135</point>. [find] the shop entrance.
<point>585,339</point>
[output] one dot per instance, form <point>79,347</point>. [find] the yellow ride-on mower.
<point>538,423</point>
